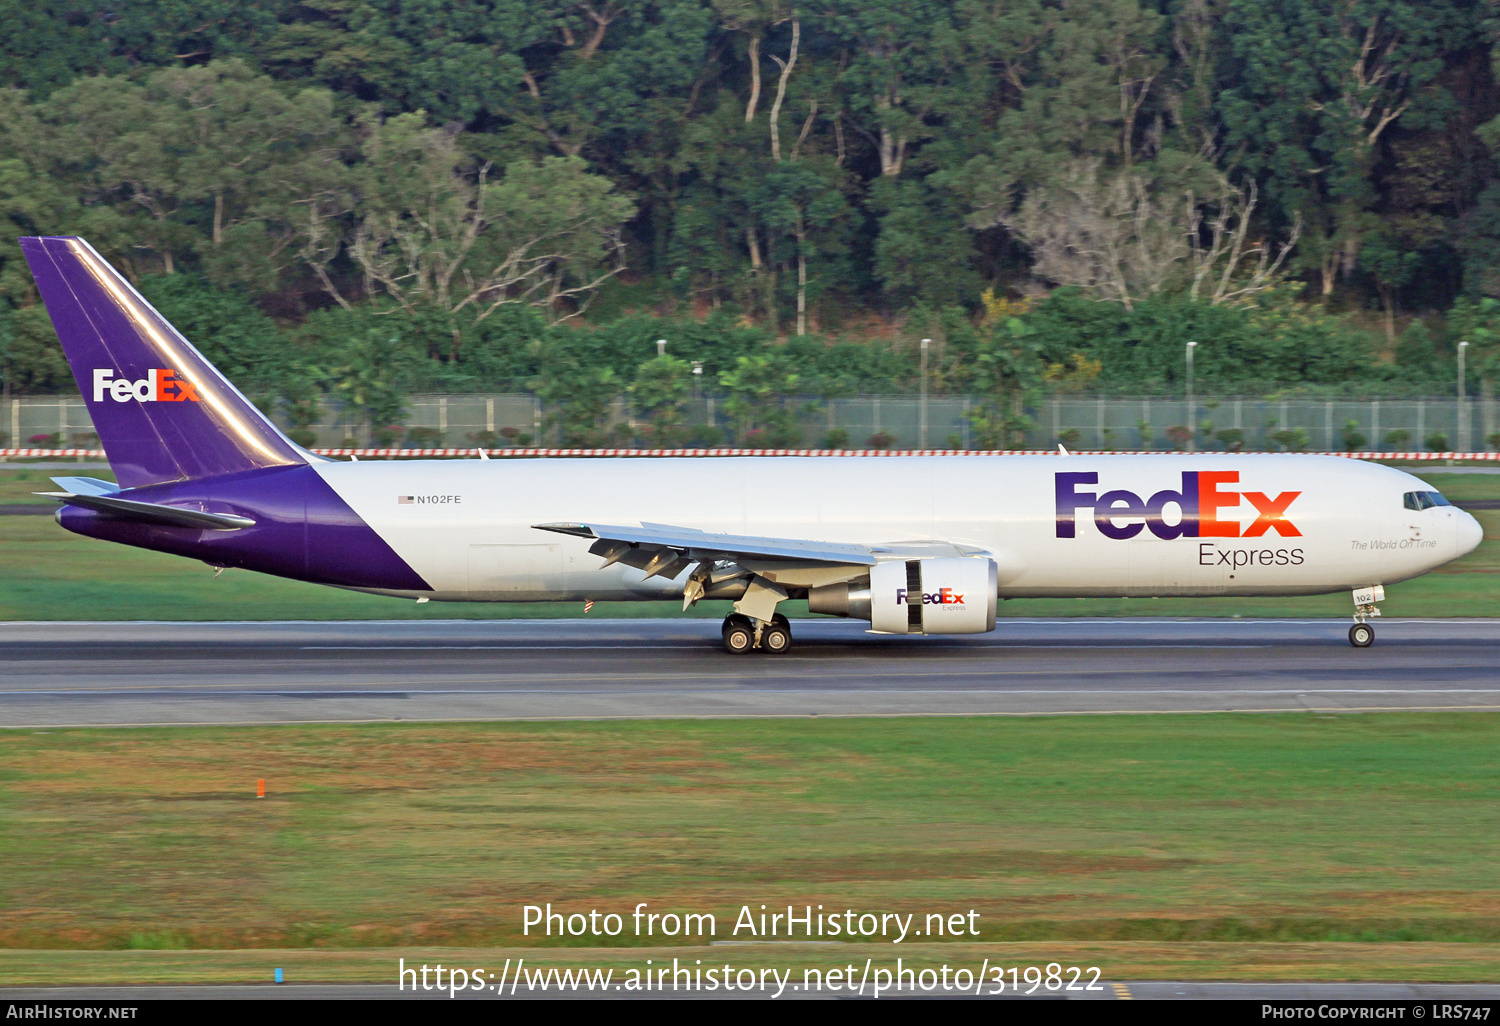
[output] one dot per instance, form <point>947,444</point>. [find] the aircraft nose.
<point>1467,532</point>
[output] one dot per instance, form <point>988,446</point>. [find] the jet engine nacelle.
<point>951,595</point>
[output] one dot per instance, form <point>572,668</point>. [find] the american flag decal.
<point>403,500</point>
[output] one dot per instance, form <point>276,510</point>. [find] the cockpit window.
<point>1424,500</point>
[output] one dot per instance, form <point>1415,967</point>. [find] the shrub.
<point>957,442</point>
<point>1232,439</point>
<point>838,438</point>
<point>1143,429</point>
<point>1070,437</point>
<point>1179,435</point>
<point>304,437</point>
<point>1397,439</point>
<point>85,440</point>
<point>424,437</point>
<point>523,438</point>
<point>663,436</point>
<point>1492,439</point>
<point>1437,442</point>
<point>511,435</point>
<point>386,437</point>
<point>881,440</point>
<point>1275,339</point>
<point>1291,439</point>
<point>484,439</point>
<point>785,435</point>
<point>707,436</point>
<point>51,441</point>
<point>1352,437</point>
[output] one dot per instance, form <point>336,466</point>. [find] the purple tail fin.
<point>163,413</point>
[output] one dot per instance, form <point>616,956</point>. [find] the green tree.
<point>1005,372</point>
<point>436,233</point>
<point>252,153</point>
<point>799,201</point>
<point>1313,90</point>
<point>209,163</point>
<point>758,400</point>
<point>1478,323</point>
<point>363,362</point>
<point>660,389</point>
<point>578,400</point>
<point>920,253</point>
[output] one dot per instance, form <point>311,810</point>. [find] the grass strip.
<point>1163,829</point>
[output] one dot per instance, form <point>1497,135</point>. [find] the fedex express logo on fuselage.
<point>162,385</point>
<point>1201,508</point>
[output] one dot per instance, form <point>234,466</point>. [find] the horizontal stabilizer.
<point>86,485</point>
<point>705,545</point>
<point>152,513</point>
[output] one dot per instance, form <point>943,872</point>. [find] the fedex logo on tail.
<point>1203,508</point>
<point>158,386</point>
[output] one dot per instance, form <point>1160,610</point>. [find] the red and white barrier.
<point>528,453</point>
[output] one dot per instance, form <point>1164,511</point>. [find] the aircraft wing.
<point>662,550</point>
<point>691,544</point>
<point>770,564</point>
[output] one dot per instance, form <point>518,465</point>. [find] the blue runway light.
<point>278,976</point>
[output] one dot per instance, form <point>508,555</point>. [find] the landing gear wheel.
<point>739,635</point>
<point>1361,634</point>
<point>777,638</point>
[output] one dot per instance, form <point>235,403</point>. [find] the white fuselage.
<point>466,526</point>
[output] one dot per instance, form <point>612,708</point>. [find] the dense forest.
<point>363,198</point>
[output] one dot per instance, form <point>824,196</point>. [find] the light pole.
<point>1463,403</point>
<point>697,378</point>
<point>1192,407</point>
<point>922,406</point>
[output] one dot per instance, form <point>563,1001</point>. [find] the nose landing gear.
<point>742,634</point>
<point>1361,635</point>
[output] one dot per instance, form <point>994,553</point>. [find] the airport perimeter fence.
<point>896,422</point>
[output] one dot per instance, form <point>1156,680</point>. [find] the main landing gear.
<point>743,634</point>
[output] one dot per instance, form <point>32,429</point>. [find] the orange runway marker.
<point>260,789</point>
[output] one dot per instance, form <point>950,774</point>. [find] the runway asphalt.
<point>65,674</point>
